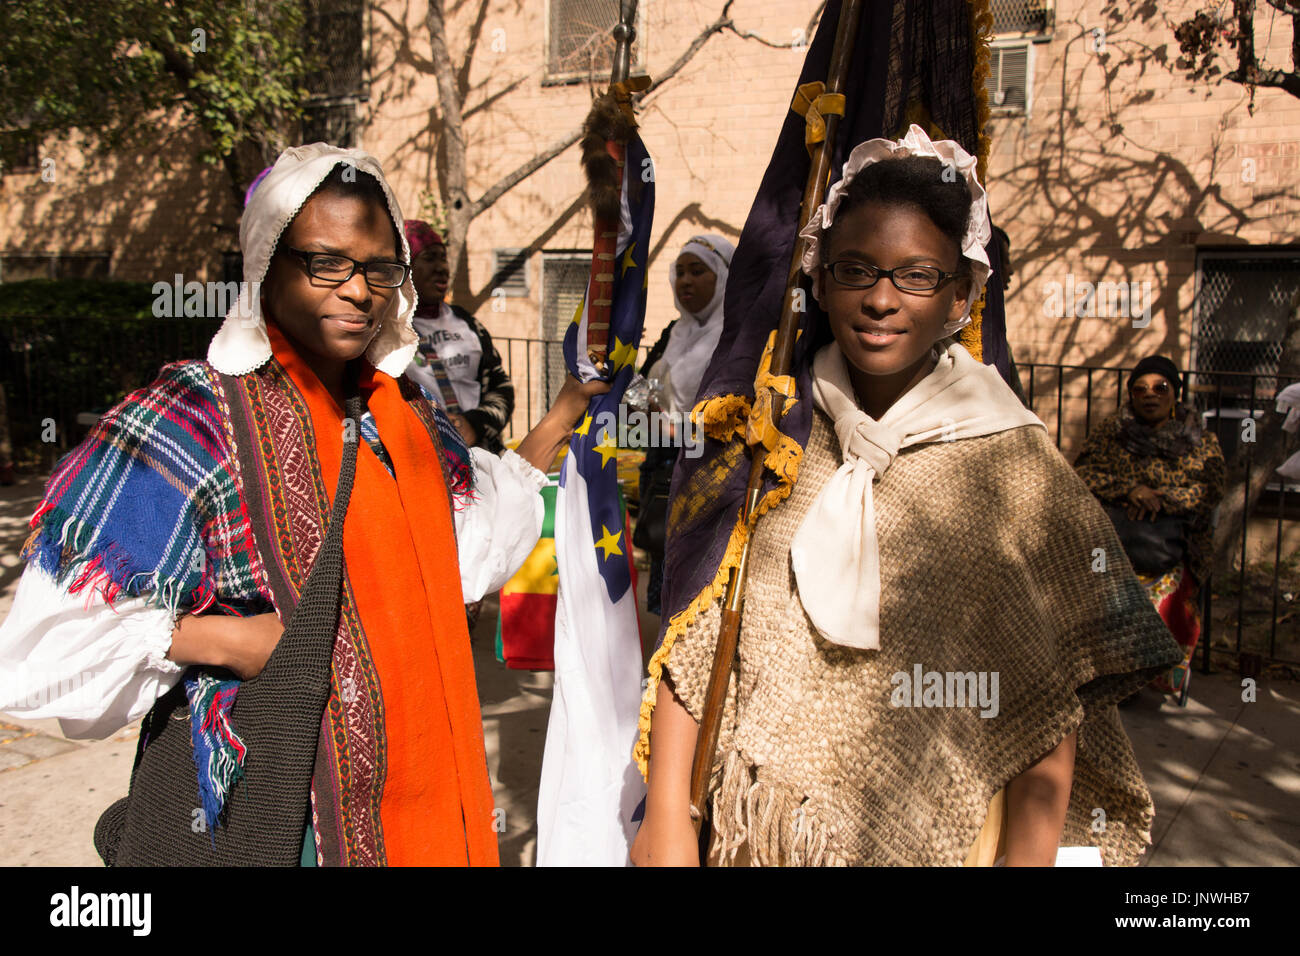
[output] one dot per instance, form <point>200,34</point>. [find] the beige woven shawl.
<point>995,558</point>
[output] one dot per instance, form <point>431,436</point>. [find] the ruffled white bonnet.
<point>916,143</point>
<point>241,344</point>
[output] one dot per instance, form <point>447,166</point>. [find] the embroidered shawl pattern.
<point>156,503</point>
<point>284,487</point>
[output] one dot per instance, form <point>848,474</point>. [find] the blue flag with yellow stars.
<point>590,787</point>
<point>593,444</point>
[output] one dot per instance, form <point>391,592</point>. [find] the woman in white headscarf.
<point>677,363</point>
<point>679,358</point>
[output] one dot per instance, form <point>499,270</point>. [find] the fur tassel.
<point>607,121</point>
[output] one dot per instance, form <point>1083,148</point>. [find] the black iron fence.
<point>536,367</point>
<point>59,374</point>
<point>1255,613</point>
<point>57,370</point>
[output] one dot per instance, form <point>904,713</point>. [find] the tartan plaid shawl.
<point>149,504</point>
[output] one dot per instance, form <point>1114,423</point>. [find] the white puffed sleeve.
<point>498,529</point>
<point>71,656</point>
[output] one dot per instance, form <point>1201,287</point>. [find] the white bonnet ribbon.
<point>835,554</point>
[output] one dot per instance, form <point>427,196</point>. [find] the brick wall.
<point>157,211</point>
<point>1119,172</point>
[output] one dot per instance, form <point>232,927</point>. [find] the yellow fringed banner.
<point>981,20</point>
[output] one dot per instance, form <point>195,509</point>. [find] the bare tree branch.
<point>493,97</point>
<point>518,175</point>
<point>799,43</point>
<point>1290,82</point>
<point>453,169</point>
<point>513,179</point>
<point>461,211</point>
<point>475,32</point>
<point>1249,72</point>
<point>717,26</point>
<point>1199,36</point>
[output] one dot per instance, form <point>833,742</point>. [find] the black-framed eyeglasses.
<point>331,267</point>
<point>858,275</point>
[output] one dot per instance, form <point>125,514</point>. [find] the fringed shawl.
<point>995,559</point>
<point>157,503</point>
<point>149,504</point>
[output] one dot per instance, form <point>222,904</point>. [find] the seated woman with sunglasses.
<point>1160,475</point>
<point>176,539</point>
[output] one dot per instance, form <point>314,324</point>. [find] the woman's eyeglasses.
<point>1159,388</point>
<point>331,267</point>
<point>858,275</point>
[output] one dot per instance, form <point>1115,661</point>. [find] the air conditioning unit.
<point>1009,79</point>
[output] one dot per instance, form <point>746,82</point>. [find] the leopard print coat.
<point>1190,486</point>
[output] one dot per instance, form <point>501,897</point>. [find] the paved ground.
<point>1225,773</point>
<point>52,789</point>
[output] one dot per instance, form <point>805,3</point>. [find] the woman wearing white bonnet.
<point>173,545</point>
<point>929,658</point>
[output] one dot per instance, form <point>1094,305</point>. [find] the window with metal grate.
<point>579,41</point>
<point>1243,300</point>
<point>1021,16</point>
<point>1008,80</point>
<point>333,123</point>
<point>334,39</point>
<point>510,272</point>
<point>564,283</point>
<point>333,34</point>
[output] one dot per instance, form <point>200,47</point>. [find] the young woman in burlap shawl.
<point>939,620</point>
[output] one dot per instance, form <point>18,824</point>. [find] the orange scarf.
<point>399,549</point>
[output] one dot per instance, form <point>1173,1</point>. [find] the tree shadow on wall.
<point>424,147</point>
<point>136,207</point>
<point>1124,205</point>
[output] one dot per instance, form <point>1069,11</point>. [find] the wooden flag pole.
<point>608,127</point>
<point>706,743</point>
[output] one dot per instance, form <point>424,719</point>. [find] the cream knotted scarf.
<point>835,553</point>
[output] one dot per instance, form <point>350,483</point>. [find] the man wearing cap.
<point>456,360</point>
